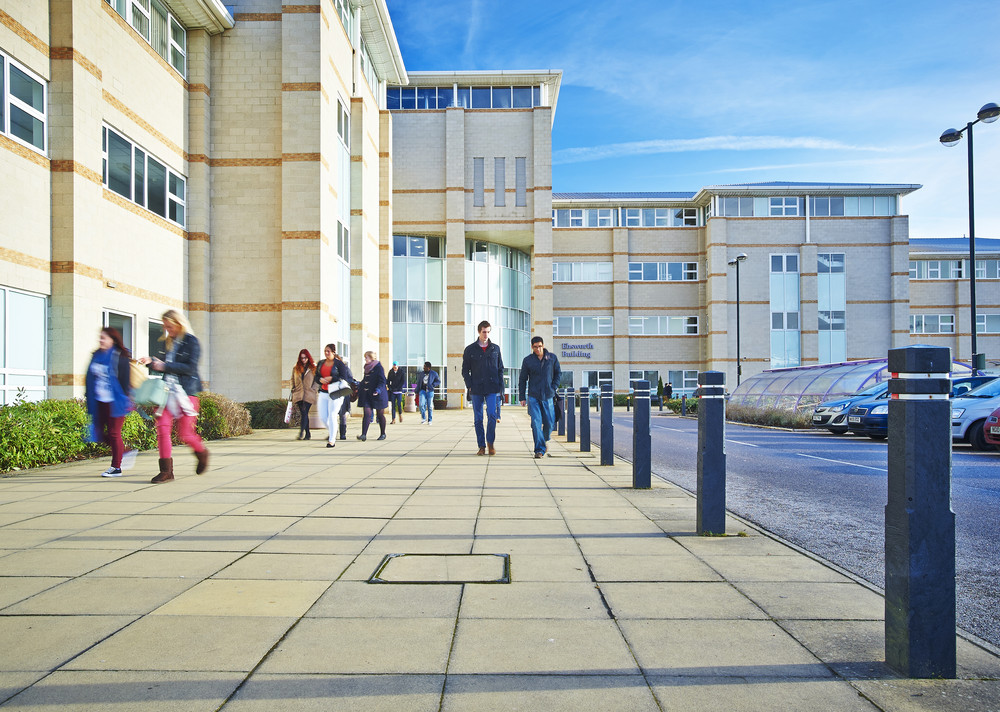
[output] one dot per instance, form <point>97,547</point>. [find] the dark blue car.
<point>832,414</point>
<point>871,416</point>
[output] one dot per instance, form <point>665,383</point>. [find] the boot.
<point>202,462</point>
<point>166,470</point>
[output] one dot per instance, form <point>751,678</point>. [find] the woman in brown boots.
<point>180,374</point>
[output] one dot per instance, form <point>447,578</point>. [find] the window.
<point>988,323</point>
<point>499,182</point>
<point>159,27</point>
<point>683,382</point>
<point>155,340</point>
<point>582,326</point>
<point>784,307</point>
<point>662,325</point>
<point>344,124</point>
<point>948,269</point>
<point>134,174</point>
<point>933,323</point>
<point>822,207</point>
<point>441,97</point>
<point>343,242</point>
<point>520,182</point>
<point>735,207</point>
<point>652,376</point>
<point>595,379</point>
<point>830,263</point>
<point>123,323</point>
<point>478,177</point>
<point>831,292</point>
<point>344,11</point>
<point>22,104</point>
<point>581,271</point>
<point>662,271</point>
<point>831,321</point>
<point>784,207</point>
<point>23,345</point>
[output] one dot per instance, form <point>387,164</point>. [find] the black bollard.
<point>607,425</point>
<point>711,498</point>
<point>584,419</point>
<point>684,405</point>
<point>571,416</point>
<point>628,401</point>
<point>641,440</point>
<point>561,430</point>
<point>660,399</point>
<point>919,524</point>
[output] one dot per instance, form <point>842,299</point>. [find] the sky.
<point>662,95</point>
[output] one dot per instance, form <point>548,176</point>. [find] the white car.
<point>970,411</point>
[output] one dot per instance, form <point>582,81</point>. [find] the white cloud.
<point>707,143</point>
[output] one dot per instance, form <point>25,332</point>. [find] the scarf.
<point>370,365</point>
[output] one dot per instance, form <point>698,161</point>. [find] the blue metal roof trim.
<point>785,183</point>
<point>623,196</point>
<point>953,244</point>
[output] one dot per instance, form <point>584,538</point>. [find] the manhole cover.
<point>443,568</point>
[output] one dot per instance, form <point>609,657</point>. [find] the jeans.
<point>304,407</point>
<point>543,416</point>
<point>492,405</point>
<point>329,413</point>
<point>396,399</point>
<point>110,428</point>
<point>426,399</point>
<point>185,429</point>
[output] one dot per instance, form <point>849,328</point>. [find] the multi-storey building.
<point>274,170</point>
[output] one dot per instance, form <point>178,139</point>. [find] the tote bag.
<point>152,391</point>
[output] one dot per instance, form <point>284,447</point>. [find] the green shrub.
<point>42,433</point>
<point>270,414</point>
<point>220,417</point>
<point>675,405</point>
<point>775,417</point>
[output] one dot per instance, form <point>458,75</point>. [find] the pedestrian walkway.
<point>248,589</point>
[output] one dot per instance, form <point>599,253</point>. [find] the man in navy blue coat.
<point>539,377</point>
<point>482,370</point>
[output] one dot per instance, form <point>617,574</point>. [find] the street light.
<point>988,114</point>
<point>739,364</point>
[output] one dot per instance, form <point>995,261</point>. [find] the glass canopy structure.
<point>803,387</point>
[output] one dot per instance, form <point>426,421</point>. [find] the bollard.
<point>584,419</point>
<point>660,398</point>
<point>628,401</point>
<point>711,497</point>
<point>684,405</point>
<point>561,430</point>
<point>571,416</point>
<point>607,425</point>
<point>597,401</point>
<point>641,441</point>
<point>919,524</point>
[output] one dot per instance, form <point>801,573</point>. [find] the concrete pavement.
<point>247,589</point>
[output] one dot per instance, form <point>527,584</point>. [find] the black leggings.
<point>367,420</point>
<point>304,407</point>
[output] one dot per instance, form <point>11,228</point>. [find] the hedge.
<point>270,414</point>
<point>47,432</point>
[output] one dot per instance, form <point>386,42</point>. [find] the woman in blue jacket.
<point>373,395</point>
<point>108,393</point>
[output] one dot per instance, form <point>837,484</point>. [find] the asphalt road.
<point>827,493</point>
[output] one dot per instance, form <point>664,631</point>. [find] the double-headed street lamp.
<point>739,364</point>
<point>988,114</point>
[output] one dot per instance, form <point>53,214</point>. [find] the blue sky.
<point>670,95</point>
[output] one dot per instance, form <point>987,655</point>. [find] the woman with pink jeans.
<point>180,373</point>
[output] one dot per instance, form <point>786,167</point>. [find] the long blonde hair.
<point>178,318</point>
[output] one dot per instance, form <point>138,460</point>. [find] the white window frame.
<point>783,206</point>
<point>987,323</point>
<point>604,324</point>
<point>127,10</point>
<point>945,323</point>
<point>105,321</point>
<point>689,271</point>
<point>343,123</point>
<point>8,391</point>
<point>169,196</point>
<point>8,100</point>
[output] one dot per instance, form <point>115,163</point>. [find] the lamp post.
<point>988,114</point>
<point>739,364</point>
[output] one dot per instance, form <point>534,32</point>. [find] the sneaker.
<point>112,472</point>
<point>422,421</point>
<point>539,455</point>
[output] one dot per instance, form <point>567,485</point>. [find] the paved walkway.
<point>246,589</point>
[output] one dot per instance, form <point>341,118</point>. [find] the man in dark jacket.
<point>482,371</point>
<point>428,381</point>
<point>396,383</point>
<point>539,377</point>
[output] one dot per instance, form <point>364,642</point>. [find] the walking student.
<point>180,373</point>
<point>396,384</point>
<point>331,379</point>
<point>373,395</point>
<point>108,393</point>
<point>429,380</point>
<point>539,377</point>
<point>303,393</point>
<point>482,371</point>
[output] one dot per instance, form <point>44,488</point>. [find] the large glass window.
<point>987,323</point>
<point>933,323</point>
<point>662,325</point>
<point>23,104</point>
<point>582,326</point>
<point>662,271</point>
<point>23,329</point>
<point>418,310</point>
<point>831,292</point>
<point>441,97</point>
<point>581,271</point>
<point>134,174</point>
<point>947,269</point>
<point>784,304</point>
<point>123,323</point>
<point>158,26</point>
<point>683,382</point>
<point>784,207</point>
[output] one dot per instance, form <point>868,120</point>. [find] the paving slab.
<point>247,589</point>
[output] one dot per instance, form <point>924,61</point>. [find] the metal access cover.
<point>443,568</point>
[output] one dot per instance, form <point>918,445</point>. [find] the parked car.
<point>991,430</point>
<point>970,412</point>
<point>832,414</point>
<point>871,416</point>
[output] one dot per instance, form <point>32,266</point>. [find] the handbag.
<point>152,391</point>
<point>339,389</point>
<point>288,411</point>
<point>137,374</point>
